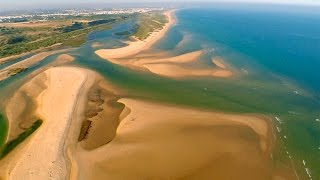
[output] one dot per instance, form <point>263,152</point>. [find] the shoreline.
<point>138,46</point>
<point>176,67</point>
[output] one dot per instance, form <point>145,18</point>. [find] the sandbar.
<point>55,106</point>
<point>156,141</point>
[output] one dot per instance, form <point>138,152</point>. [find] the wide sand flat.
<point>44,158</point>
<point>165,142</point>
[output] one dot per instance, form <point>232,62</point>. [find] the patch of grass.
<point>70,31</point>
<point>148,23</point>
<point>16,71</point>
<point>8,147</point>
<point>3,130</point>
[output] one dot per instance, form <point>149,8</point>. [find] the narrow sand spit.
<point>218,62</point>
<point>20,109</point>
<point>137,46</point>
<point>157,141</point>
<point>43,158</point>
<point>181,59</point>
<point>27,62</point>
<point>6,59</point>
<point>176,71</point>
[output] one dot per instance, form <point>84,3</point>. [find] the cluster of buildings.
<point>44,15</point>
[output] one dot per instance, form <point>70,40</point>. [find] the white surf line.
<point>309,173</point>
<point>279,120</point>
<point>294,113</point>
<point>279,129</point>
<point>287,152</point>
<point>307,169</point>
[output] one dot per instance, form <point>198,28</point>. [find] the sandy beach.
<point>39,161</point>
<point>156,141</point>
<point>137,46</point>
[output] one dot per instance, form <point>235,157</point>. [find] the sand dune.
<point>164,142</point>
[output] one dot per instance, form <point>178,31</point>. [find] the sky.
<point>4,4</point>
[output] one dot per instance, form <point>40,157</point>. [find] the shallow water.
<point>277,48</point>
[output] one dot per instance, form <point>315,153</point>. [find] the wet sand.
<point>156,141</point>
<point>219,63</point>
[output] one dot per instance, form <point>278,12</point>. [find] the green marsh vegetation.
<point>70,31</point>
<point>148,23</point>
<point>9,146</point>
<point>3,130</point>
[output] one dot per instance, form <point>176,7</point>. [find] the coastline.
<point>132,56</point>
<point>138,46</point>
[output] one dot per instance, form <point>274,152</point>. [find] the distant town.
<point>55,14</point>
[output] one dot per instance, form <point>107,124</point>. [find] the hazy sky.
<point>38,3</point>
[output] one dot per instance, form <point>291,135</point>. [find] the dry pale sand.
<point>27,62</point>
<point>43,158</point>
<point>65,58</point>
<point>157,141</point>
<point>20,108</point>
<point>176,71</point>
<point>180,59</point>
<point>137,46</point>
